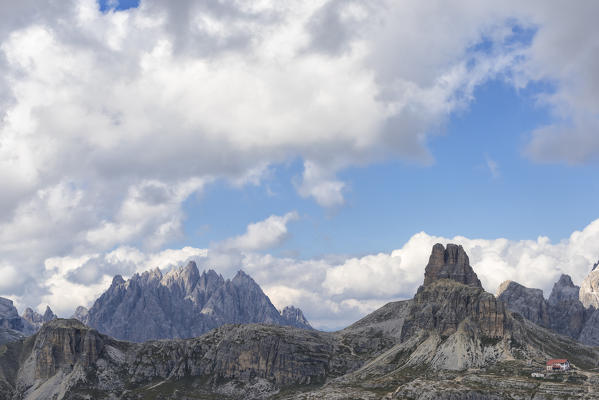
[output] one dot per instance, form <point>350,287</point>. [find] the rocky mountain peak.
<point>595,266</point>
<point>7,309</point>
<point>241,278</point>
<point>295,317</point>
<point>450,263</point>
<point>117,280</point>
<point>36,319</point>
<point>48,314</point>
<point>564,290</point>
<point>527,302</point>
<point>81,314</point>
<point>181,304</point>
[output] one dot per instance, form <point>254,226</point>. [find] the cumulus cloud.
<point>262,235</point>
<point>72,281</point>
<point>111,120</point>
<point>333,291</point>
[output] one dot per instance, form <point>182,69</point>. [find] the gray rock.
<point>589,290</point>
<point>36,319</point>
<point>10,319</point>
<point>529,303</point>
<point>589,333</point>
<point>81,314</point>
<point>567,314</point>
<point>293,316</point>
<point>181,304</point>
<point>451,263</point>
<point>10,335</point>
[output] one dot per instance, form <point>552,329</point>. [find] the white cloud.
<point>79,281</point>
<point>318,182</point>
<point>110,121</point>
<point>262,235</point>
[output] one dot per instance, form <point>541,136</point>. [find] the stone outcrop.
<point>294,317</point>
<point>10,319</point>
<point>450,263</point>
<point>181,304</point>
<point>10,335</point>
<point>568,315</point>
<point>529,303</point>
<point>62,344</point>
<point>36,319</point>
<point>81,314</point>
<point>9,316</point>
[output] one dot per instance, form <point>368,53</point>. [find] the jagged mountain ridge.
<point>452,341</point>
<point>181,304</point>
<point>27,324</point>
<point>562,312</point>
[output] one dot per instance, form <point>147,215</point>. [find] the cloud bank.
<point>111,120</point>
<point>333,291</point>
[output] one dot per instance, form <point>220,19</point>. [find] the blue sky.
<point>322,147</point>
<point>459,194</point>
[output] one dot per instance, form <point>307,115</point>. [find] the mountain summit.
<point>450,263</point>
<point>183,303</point>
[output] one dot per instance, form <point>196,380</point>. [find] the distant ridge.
<point>181,304</point>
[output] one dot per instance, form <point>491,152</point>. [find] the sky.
<point>322,146</point>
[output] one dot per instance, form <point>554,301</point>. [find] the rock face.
<point>81,314</point>
<point>420,348</point>
<point>563,312</point>
<point>589,290</point>
<point>294,317</point>
<point>9,316</point>
<point>567,314</point>
<point>529,303</point>
<point>181,304</point>
<point>36,319</point>
<point>10,335</point>
<point>10,319</point>
<point>450,263</point>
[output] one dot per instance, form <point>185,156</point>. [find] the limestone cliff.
<point>450,263</point>
<point>529,303</point>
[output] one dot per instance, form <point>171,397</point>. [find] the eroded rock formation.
<point>450,263</point>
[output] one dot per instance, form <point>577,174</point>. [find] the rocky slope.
<point>181,304</point>
<point>452,341</point>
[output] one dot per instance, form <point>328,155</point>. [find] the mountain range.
<point>182,304</point>
<point>179,304</point>
<point>570,310</point>
<point>453,340</point>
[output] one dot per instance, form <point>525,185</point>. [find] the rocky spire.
<point>564,290</point>
<point>450,263</point>
<point>36,319</point>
